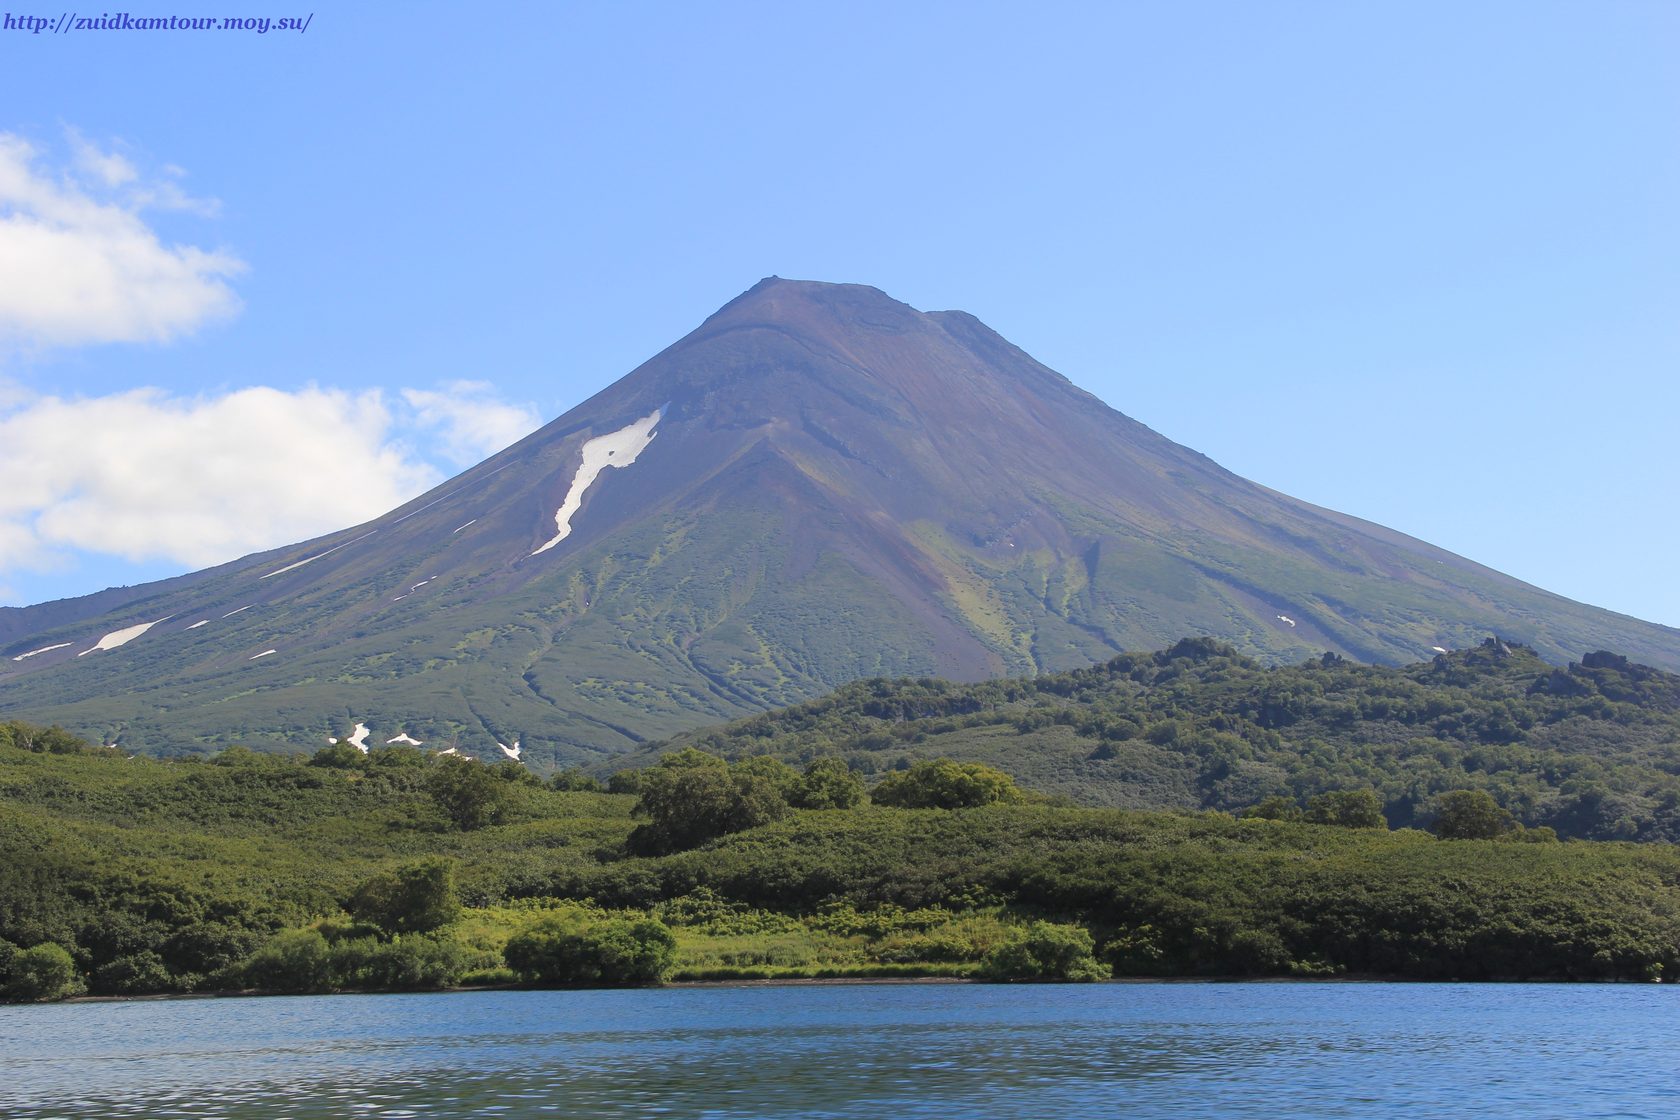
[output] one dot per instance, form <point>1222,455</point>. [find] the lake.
<point>868,1050</point>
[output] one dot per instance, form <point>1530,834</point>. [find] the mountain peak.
<point>820,483</point>
<point>776,301</point>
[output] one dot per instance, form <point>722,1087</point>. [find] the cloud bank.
<point>82,266</point>
<point>147,476</point>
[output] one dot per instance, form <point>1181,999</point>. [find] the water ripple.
<point>812,1053</point>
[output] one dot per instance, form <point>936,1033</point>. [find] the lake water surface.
<point>875,1050</point>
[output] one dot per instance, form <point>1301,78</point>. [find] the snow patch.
<point>358,737</point>
<point>512,752</point>
<point>1438,649</point>
<point>450,750</point>
<point>1286,618</point>
<point>264,653</point>
<point>318,555</point>
<point>451,494</point>
<point>616,449</point>
<point>246,607</point>
<point>474,521</point>
<point>120,637</point>
<point>403,737</point>
<point>43,649</point>
<point>200,622</point>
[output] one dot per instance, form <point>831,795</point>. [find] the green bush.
<point>294,960</point>
<point>1046,951</point>
<point>411,963</point>
<point>692,797</point>
<point>1470,814</point>
<point>415,898</point>
<point>574,780</point>
<point>571,950</point>
<point>1347,808</point>
<point>944,784</point>
<point>40,974</point>
<point>469,793</point>
<point>828,783</point>
<point>139,973</point>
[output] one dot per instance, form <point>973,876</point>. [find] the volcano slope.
<point>817,485</point>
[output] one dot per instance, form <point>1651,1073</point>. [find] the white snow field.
<point>43,649</point>
<point>121,637</point>
<point>616,449</point>
<point>318,555</point>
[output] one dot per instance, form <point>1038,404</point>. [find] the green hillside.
<point>1591,750</point>
<point>130,875</point>
<point>833,486</point>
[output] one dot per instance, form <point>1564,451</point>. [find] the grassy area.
<point>254,871</point>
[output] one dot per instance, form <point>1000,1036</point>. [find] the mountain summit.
<point>817,484</point>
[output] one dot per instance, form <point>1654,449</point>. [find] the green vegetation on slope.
<point>1591,750</point>
<point>130,875</point>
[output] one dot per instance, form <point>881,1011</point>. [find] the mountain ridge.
<point>836,486</point>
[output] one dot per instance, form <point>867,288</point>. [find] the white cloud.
<point>81,264</point>
<point>471,421</point>
<point>198,481</point>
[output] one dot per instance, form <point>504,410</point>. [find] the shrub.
<point>570,950</point>
<point>692,797</point>
<point>468,792</point>
<point>828,783</point>
<point>136,974</point>
<point>42,973</point>
<point>340,756</point>
<point>411,963</point>
<point>294,960</point>
<point>944,784</point>
<point>1470,814</point>
<point>1046,951</point>
<point>574,780</point>
<point>415,898</point>
<point>1350,808</point>
<point>1275,808</point>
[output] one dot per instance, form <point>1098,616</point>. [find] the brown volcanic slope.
<point>816,485</point>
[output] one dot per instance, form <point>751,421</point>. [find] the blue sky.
<point>1418,262</point>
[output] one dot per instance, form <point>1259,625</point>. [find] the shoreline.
<point>829,982</point>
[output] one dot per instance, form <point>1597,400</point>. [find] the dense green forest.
<point>398,870</point>
<point>1591,751</point>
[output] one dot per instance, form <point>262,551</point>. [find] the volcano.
<point>818,484</point>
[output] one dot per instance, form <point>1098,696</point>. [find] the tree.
<point>692,797</point>
<point>1470,814</point>
<point>294,960</point>
<point>340,756</point>
<point>468,792</point>
<point>828,783</point>
<point>572,950</point>
<point>414,898</point>
<point>574,780</point>
<point>1347,808</point>
<point>135,974</point>
<point>773,770</point>
<point>42,973</point>
<point>944,784</point>
<point>1045,951</point>
<point>37,974</point>
<point>1274,808</point>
